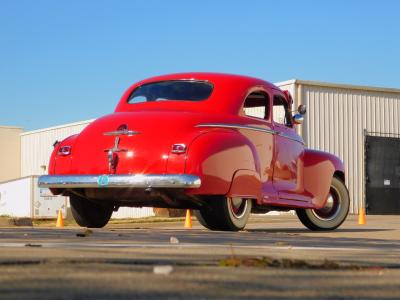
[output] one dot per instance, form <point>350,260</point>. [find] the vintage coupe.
<point>223,145</point>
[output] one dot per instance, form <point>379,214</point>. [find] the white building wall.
<point>133,212</point>
<point>23,198</point>
<point>289,85</point>
<point>16,198</point>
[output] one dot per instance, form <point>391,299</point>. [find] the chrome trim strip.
<point>120,181</point>
<point>237,126</point>
<point>122,132</point>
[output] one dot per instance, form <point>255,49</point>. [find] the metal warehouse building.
<point>341,119</point>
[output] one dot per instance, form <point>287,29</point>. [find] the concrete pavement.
<point>118,261</point>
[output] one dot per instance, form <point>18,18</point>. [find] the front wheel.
<point>333,214</point>
<point>225,213</point>
<point>89,214</point>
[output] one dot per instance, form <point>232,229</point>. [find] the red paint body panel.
<point>246,184</point>
<point>216,156</point>
<point>254,158</point>
<point>62,164</point>
<point>318,162</point>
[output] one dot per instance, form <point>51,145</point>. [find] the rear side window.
<point>178,90</point>
<point>256,105</point>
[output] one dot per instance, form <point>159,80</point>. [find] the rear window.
<point>180,90</point>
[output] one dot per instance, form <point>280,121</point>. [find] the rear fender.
<point>319,168</point>
<point>62,164</point>
<point>246,184</point>
<point>216,156</point>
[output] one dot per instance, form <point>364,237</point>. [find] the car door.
<point>257,111</point>
<point>289,152</point>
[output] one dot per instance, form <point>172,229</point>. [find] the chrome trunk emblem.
<point>113,156</point>
<point>122,132</point>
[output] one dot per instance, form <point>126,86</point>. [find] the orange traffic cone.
<point>361,217</point>
<point>60,220</point>
<point>188,219</point>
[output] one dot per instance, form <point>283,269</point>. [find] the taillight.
<point>64,151</point>
<point>178,148</point>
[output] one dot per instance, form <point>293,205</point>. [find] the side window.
<point>257,105</point>
<point>281,113</point>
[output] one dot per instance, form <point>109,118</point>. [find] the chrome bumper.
<point>119,181</point>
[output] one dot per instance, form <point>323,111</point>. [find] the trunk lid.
<point>144,151</point>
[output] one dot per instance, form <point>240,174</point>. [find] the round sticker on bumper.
<point>102,180</point>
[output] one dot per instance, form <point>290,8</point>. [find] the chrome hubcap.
<point>237,206</point>
<point>332,206</point>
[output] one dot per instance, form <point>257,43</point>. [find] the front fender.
<point>215,156</point>
<point>319,168</point>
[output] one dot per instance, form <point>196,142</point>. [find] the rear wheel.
<point>225,213</point>
<point>333,214</point>
<point>89,214</point>
<point>207,221</point>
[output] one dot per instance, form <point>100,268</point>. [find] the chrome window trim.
<point>237,126</point>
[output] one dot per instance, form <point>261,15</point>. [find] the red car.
<point>223,145</point>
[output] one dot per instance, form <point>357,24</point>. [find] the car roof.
<point>227,97</point>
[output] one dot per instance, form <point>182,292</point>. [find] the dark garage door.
<point>382,184</point>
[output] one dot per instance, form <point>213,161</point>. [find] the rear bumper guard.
<point>120,181</point>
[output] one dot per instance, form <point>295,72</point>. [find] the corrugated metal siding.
<point>335,123</point>
<point>288,86</point>
<point>36,147</point>
<point>133,212</point>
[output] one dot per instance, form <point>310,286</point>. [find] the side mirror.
<point>298,119</point>
<point>302,109</point>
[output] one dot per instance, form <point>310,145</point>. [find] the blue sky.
<point>67,61</point>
